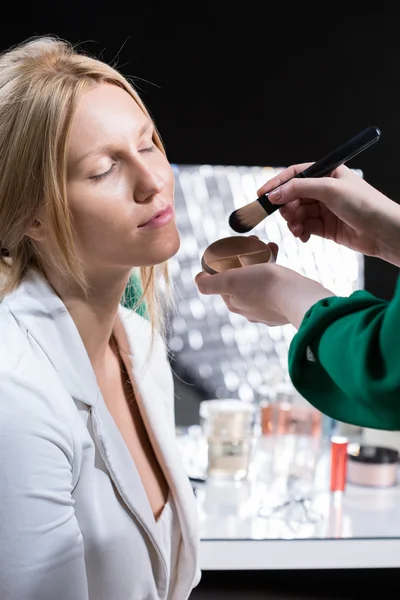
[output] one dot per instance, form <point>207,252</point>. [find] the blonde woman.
<point>94,501</point>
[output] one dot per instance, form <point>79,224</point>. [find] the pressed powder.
<point>234,252</point>
<point>372,466</point>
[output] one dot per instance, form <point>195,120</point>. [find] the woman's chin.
<point>159,253</point>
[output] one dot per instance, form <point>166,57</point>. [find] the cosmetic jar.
<point>234,252</point>
<point>372,466</point>
<point>229,428</point>
<point>295,415</point>
<point>283,411</point>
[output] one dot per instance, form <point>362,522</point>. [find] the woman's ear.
<point>37,231</point>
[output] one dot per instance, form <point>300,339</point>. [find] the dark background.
<point>259,84</point>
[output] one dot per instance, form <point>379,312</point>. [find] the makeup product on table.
<point>283,411</point>
<point>246,218</point>
<point>228,426</point>
<point>295,415</point>
<point>234,252</point>
<point>372,466</point>
<point>339,445</point>
<point>267,417</point>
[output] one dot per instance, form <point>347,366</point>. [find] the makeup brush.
<point>246,218</point>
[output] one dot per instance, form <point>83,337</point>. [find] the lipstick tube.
<point>338,463</point>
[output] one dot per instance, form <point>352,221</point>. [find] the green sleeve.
<point>345,359</point>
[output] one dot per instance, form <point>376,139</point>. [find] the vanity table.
<point>283,516</point>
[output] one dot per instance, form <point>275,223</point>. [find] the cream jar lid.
<point>373,455</point>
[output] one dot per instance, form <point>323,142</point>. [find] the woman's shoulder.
<point>12,340</point>
<point>28,397</point>
<point>30,412</point>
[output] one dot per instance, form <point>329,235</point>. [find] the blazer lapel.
<point>123,472</point>
<point>155,387</point>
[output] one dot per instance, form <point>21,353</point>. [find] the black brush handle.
<point>331,161</point>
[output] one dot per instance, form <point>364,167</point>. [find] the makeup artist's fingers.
<point>201,276</point>
<point>310,227</point>
<point>274,249</point>
<point>304,220</point>
<point>297,212</point>
<point>220,283</point>
<point>340,173</point>
<point>282,177</point>
<point>304,238</point>
<point>326,190</point>
<point>230,302</point>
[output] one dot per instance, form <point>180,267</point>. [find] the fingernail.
<point>275,195</point>
<point>297,230</point>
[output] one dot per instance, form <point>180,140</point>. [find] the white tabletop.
<point>258,523</point>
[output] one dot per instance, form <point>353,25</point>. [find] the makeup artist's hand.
<point>343,208</point>
<point>265,293</point>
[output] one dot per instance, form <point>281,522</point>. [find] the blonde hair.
<point>41,82</point>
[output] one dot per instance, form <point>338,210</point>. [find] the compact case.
<point>372,466</point>
<point>233,252</point>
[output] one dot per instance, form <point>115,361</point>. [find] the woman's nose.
<point>148,184</point>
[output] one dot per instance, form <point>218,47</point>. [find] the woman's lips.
<point>160,219</point>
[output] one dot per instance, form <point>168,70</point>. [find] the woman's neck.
<point>94,315</point>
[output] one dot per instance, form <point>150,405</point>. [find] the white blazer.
<point>75,520</point>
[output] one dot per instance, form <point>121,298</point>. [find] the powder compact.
<point>372,466</point>
<point>234,252</point>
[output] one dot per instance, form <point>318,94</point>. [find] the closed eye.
<point>103,175</point>
<point>149,149</point>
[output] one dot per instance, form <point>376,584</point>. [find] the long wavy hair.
<point>41,83</point>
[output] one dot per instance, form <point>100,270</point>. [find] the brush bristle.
<point>246,218</point>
